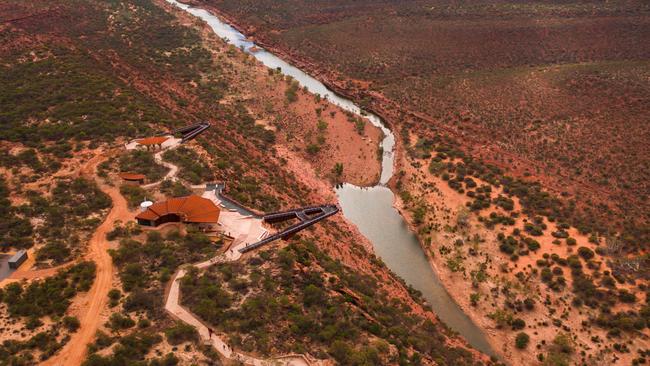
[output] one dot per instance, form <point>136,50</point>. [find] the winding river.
<point>370,209</point>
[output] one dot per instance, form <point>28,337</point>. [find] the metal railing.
<point>322,212</point>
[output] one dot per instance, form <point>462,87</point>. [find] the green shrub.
<point>626,296</point>
<point>521,340</point>
<point>518,324</point>
<point>118,322</point>
<point>51,296</point>
<point>585,253</point>
<point>474,298</point>
<point>313,149</point>
<point>114,296</point>
<point>360,125</point>
<point>143,162</point>
<point>291,92</point>
<point>192,168</point>
<point>134,194</point>
<point>57,251</point>
<point>180,333</point>
<point>71,322</point>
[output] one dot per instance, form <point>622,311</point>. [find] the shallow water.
<point>370,209</point>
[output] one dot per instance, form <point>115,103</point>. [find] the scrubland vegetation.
<point>111,71</point>
<point>318,306</point>
<point>66,216</point>
<point>142,162</point>
<point>47,298</point>
<point>192,168</point>
<point>552,92</point>
<point>534,263</point>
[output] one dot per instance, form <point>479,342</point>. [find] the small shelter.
<point>190,210</point>
<point>133,178</point>
<point>17,259</point>
<point>153,142</point>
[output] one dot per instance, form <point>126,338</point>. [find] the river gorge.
<point>370,209</point>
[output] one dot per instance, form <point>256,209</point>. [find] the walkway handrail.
<point>195,132</point>
<point>327,211</point>
<point>187,128</point>
<point>295,209</point>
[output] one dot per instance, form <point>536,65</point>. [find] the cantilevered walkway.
<point>308,216</point>
<point>191,131</point>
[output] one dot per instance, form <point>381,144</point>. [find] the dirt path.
<point>74,351</point>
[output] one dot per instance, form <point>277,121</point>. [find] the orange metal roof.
<point>190,209</point>
<point>174,204</point>
<point>131,176</point>
<point>157,140</point>
<point>147,215</point>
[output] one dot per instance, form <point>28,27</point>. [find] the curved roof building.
<point>133,177</point>
<point>156,140</point>
<point>190,209</point>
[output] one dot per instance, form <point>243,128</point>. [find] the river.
<point>370,209</point>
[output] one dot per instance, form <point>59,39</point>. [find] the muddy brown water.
<point>370,209</point>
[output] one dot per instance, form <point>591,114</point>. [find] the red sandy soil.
<point>295,124</point>
<point>343,144</point>
<point>443,205</point>
<point>94,301</point>
<point>91,308</point>
<point>549,91</point>
<point>26,273</point>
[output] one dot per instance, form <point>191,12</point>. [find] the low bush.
<point>521,340</point>
<point>180,333</point>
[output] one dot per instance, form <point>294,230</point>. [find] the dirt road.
<point>94,301</point>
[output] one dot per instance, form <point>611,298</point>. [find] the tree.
<point>518,323</point>
<point>338,169</point>
<point>114,296</point>
<point>118,321</point>
<point>71,322</point>
<point>521,340</point>
<point>585,253</point>
<point>474,298</point>
<point>180,333</point>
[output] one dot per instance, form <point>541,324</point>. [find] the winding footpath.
<point>176,310</point>
<point>171,174</point>
<point>173,307</point>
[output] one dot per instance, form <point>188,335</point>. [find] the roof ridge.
<point>180,208</point>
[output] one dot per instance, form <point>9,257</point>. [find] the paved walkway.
<point>173,306</point>
<point>245,229</point>
<point>171,174</point>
